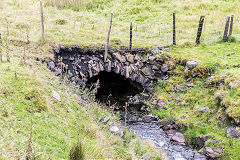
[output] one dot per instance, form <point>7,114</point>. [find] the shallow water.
<point>151,131</point>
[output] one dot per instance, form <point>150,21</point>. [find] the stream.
<point>117,91</point>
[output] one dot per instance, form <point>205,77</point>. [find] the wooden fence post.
<point>108,37</point>
<point>225,36</point>
<point>1,47</point>
<point>125,120</point>
<point>24,54</point>
<point>130,38</point>
<point>42,20</point>
<point>174,29</point>
<point>230,30</point>
<point>200,27</point>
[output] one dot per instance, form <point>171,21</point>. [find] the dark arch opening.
<point>114,88</point>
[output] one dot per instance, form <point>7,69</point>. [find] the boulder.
<point>164,68</point>
<point>137,58</point>
<point>105,119</point>
<point>211,153</point>
<point>116,130</point>
<point>191,64</point>
<point>178,139</point>
<point>203,110</point>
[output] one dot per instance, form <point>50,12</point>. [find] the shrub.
<point>77,151</point>
<point>61,21</point>
<point>37,101</point>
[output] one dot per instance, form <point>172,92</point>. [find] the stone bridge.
<point>140,66</point>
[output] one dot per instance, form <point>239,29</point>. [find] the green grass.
<point>57,127</point>
<point>194,124</point>
<point>152,20</point>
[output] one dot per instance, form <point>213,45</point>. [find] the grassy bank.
<point>57,128</point>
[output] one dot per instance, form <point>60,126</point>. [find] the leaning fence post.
<point>230,30</point>
<point>108,37</point>
<point>200,27</point>
<point>42,19</point>
<point>174,29</point>
<point>130,38</point>
<point>226,29</point>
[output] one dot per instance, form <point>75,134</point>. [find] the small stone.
<point>164,68</point>
<point>116,130</point>
<point>191,64</point>
<point>147,71</point>
<point>233,84</point>
<point>147,156</point>
<point>105,119</point>
<point>216,141</point>
<point>139,64</point>
<point>211,153</point>
<point>56,96</point>
<point>155,50</point>
<point>171,133</point>
<point>155,101</point>
<point>154,67</point>
<point>145,108</point>
<point>164,122</point>
<point>137,58</point>
<point>233,132</point>
<point>51,65</point>
<point>57,72</point>
<point>202,139</point>
<point>203,110</point>
<point>178,87</point>
<point>151,58</point>
<point>199,156</point>
<point>160,105</point>
<point>167,49</point>
<point>130,58</point>
<point>119,57</point>
<point>133,119</point>
<point>149,118</point>
<point>178,138</point>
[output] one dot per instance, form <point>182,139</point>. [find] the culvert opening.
<point>114,89</point>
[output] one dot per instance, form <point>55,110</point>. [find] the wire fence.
<point>157,33</point>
